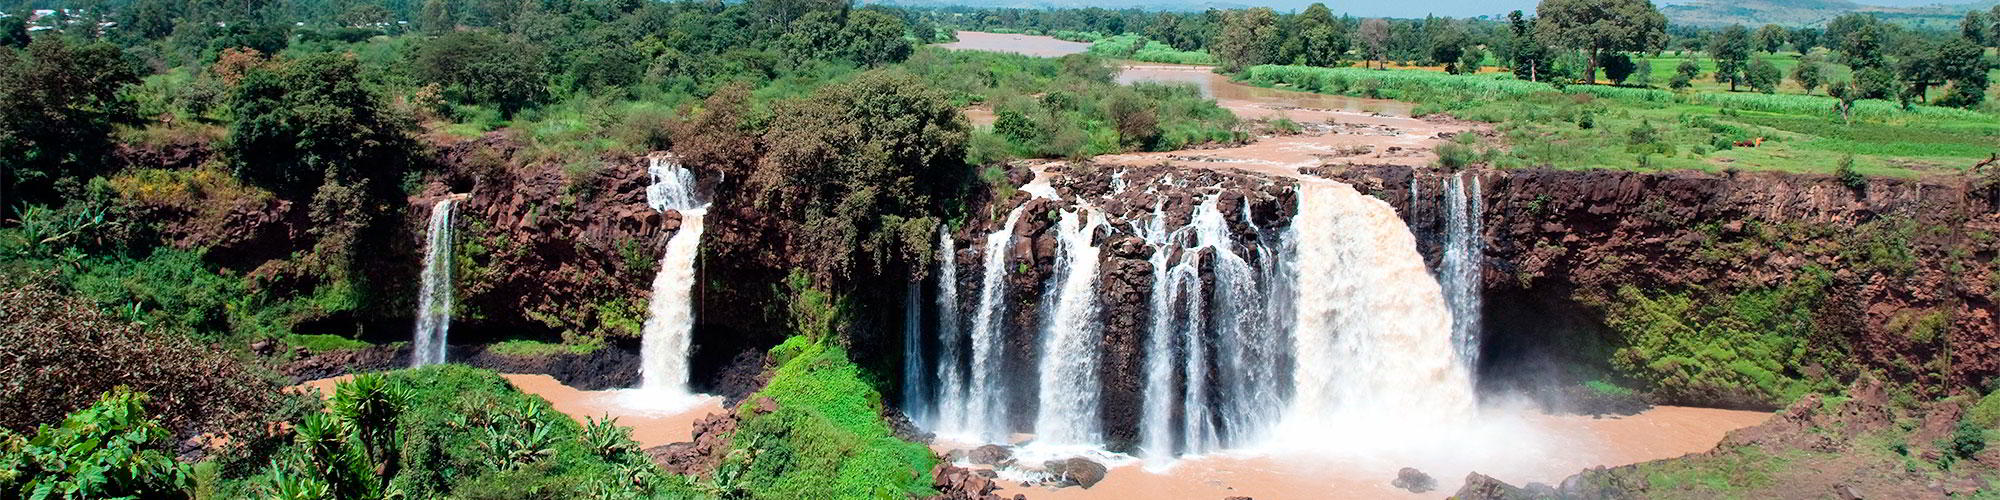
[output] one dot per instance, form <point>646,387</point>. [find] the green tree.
<point>59,103</point>
<point>1810,73</point>
<point>1617,67</point>
<point>1599,26</point>
<point>312,119</point>
<point>1684,75</point>
<point>1642,76</point>
<point>1324,39</point>
<point>1805,39</point>
<point>1373,37</point>
<point>1771,37</point>
<point>1249,37</point>
<point>1731,50</point>
<point>1861,48</point>
<point>480,67</point>
<point>1975,28</point>
<point>874,38</point>
<point>14,32</point>
<point>1530,58</point>
<point>1962,62</point>
<point>1763,76</point>
<point>1844,94</point>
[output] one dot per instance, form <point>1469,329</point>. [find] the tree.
<point>1919,71</point>
<point>1771,37</point>
<point>1961,62</point>
<point>1861,48</point>
<point>1731,50</point>
<point>1249,37</point>
<point>310,120</point>
<point>437,17</point>
<point>1763,76</point>
<point>1530,58</point>
<point>1617,67</point>
<point>874,38</point>
<point>1324,39</point>
<point>1598,26</point>
<point>1810,73</point>
<point>1993,28</point>
<point>1448,47</point>
<point>59,104</point>
<point>1684,75</point>
<point>480,67</point>
<point>1374,38</point>
<point>14,32</point>
<point>1974,28</point>
<point>1844,94</point>
<point>1805,39</point>
<point>1643,75</point>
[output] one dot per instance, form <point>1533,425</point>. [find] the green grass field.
<point>1586,126</point>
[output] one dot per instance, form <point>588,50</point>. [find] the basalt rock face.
<point>1126,199</point>
<point>542,251</point>
<point>1908,263</point>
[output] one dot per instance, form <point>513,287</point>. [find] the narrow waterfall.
<point>1373,342</point>
<point>670,322</point>
<point>434,297</point>
<point>1459,270</point>
<point>986,410</point>
<point>1221,338</point>
<point>1071,334</point>
<point>951,389</point>
<point>916,393</point>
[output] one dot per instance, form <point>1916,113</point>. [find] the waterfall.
<point>986,409</point>
<point>1071,334</point>
<point>1459,270</point>
<point>670,321</point>
<point>915,394</point>
<point>1373,344</point>
<point>951,342</point>
<point>434,297</point>
<point>1233,320</point>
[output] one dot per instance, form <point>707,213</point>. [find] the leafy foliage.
<point>59,102</point>
<point>826,438</point>
<point>311,120</point>
<point>110,449</point>
<point>1746,348</point>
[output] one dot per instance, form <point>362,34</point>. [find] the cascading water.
<point>1459,269</point>
<point>1373,347</point>
<point>434,297</point>
<point>670,320</point>
<point>1232,320</point>
<point>1068,414</point>
<point>916,393</point>
<point>951,342</point>
<point>986,412</point>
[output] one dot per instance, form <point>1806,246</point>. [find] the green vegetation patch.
<point>1743,348</point>
<point>825,440</point>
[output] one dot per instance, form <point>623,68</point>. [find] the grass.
<point>825,440</point>
<point>325,343</point>
<point>1139,48</point>
<point>536,348</point>
<point>1593,126</point>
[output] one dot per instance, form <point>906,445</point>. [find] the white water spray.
<point>986,410</point>
<point>434,296</point>
<point>1459,269</point>
<point>916,393</point>
<point>670,321</point>
<point>1374,353</point>
<point>1071,335</point>
<point>951,342</point>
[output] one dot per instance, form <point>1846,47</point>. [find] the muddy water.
<point>1537,448</point>
<point>1218,87</point>
<point>1033,45</point>
<point>649,427</point>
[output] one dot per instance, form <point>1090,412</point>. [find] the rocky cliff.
<point>1891,276</point>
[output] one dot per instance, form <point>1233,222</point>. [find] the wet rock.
<point>1077,471</point>
<point>959,483</point>
<point>1482,487</point>
<point>991,454</point>
<point>1413,480</point>
<point>700,456</point>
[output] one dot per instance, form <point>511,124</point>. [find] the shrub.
<point>826,439</point>
<point>110,449</point>
<point>1848,176</point>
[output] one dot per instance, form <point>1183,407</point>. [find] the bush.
<point>1745,348</point>
<point>826,439</point>
<point>64,352</point>
<point>110,449</point>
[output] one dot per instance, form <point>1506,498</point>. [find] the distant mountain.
<point>1795,13</point>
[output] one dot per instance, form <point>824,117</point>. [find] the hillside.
<point>1794,13</point>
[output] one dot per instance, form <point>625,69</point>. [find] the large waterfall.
<point>1071,333</point>
<point>434,297</point>
<point>1311,331</point>
<point>670,321</point>
<point>916,390</point>
<point>1373,345</point>
<point>1459,269</point>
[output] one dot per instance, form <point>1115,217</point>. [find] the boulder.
<point>1414,481</point>
<point>1482,487</point>
<point>1076,471</point>
<point>991,454</point>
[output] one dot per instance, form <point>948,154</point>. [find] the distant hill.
<point>1795,13</point>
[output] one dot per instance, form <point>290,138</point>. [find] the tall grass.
<point>1139,48</point>
<point>1434,87</point>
